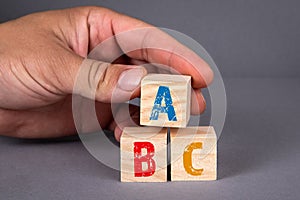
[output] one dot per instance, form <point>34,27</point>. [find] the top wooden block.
<point>165,100</point>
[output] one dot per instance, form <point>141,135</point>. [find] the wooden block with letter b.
<point>144,154</point>
<point>193,154</point>
<point>165,100</point>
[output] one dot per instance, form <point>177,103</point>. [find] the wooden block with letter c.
<point>193,154</point>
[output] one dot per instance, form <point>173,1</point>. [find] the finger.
<point>153,46</point>
<point>127,115</point>
<point>167,52</point>
<point>198,104</point>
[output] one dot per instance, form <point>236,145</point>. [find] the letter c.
<point>187,159</point>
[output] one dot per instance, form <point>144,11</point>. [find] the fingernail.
<point>131,79</point>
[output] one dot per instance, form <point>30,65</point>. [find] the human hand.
<point>40,56</point>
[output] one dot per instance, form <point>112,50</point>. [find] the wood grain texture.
<point>203,157</point>
<point>180,88</point>
<point>158,137</point>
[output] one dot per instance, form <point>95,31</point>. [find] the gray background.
<point>256,46</point>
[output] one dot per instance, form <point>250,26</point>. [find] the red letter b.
<point>139,159</point>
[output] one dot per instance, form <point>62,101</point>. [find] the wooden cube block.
<point>165,100</point>
<point>144,154</point>
<point>193,154</point>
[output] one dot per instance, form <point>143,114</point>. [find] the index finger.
<point>155,46</point>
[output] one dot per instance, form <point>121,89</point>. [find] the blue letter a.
<point>163,93</point>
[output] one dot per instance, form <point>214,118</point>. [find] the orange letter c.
<point>187,159</point>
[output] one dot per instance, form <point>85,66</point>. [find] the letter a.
<point>163,93</point>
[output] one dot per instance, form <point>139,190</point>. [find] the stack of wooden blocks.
<point>165,103</point>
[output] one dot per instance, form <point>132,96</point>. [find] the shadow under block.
<point>144,154</point>
<point>193,154</point>
<point>165,100</point>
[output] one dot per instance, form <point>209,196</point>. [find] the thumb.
<point>108,83</point>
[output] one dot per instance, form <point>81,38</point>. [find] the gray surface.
<point>255,44</point>
<point>258,156</point>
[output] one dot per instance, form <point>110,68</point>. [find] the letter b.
<point>139,159</point>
